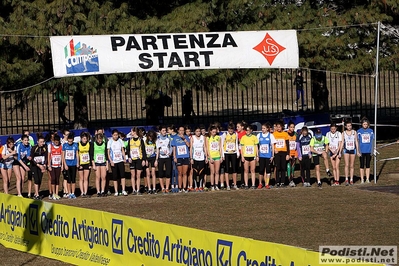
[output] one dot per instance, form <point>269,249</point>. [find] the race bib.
<point>69,155</point>
<point>118,156</point>
<point>164,151</point>
<point>365,138</point>
<point>214,146</point>
<point>264,148</point>
<point>100,158</point>
<point>305,149</point>
<point>350,145</point>
<point>23,155</point>
<point>149,150</point>
<point>333,147</point>
<point>319,148</point>
<point>292,145</point>
<point>181,150</point>
<point>84,158</point>
<point>56,160</point>
<point>230,146</point>
<point>134,153</point>
<point>39,159</point>
<point>280,143</point>
<point>198,154</point>
<point>249,150</point>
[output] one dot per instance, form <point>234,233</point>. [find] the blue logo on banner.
<point>33,221</point>
<point>117,227</point>
<point>80,58</point>
<point>224,250</point>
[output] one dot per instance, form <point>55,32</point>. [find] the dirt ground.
<point>305,217</point>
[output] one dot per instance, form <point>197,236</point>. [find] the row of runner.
<point>183,159</point>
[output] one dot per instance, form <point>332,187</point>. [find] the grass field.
<point>304,217</point>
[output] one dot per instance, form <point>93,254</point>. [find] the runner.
<point>351,146</point>
<point>214,151</point>
<point>281,153</point>
<point>98,155</point>
<point>249,150</point>
<point>293,153</point>
<point>318,147</point>
<point>365,136</point>
<point>55,165</point>
<point>70,154</point>
<point>187,132</point>
<point>206,170</point>
<point>116,156</point>
<point>150,149</point>
<point>198,158</point>
<point>265,154</point>
<point>84,165</point>
<point>181,151</point>
<point>163,159</point>
<point>335,147</point>
<point>9,153</point>
<point>240,133</point>
<point>137,157</point>
<point>305,155</point>
<point>39,155</point>
<point>175,174</point>
<point>230,155</point>
<point>65,133</point>
<point>23,152</point>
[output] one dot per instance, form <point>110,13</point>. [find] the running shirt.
<point>39,155</point>
<point>136,149</point>
<point>214,146</point>
<point>334,140</point>
<point>249,145</point>
<point>319,145</point>
<point>116,150</point>
<point>150,149</point>
<point>84,155</point>
<point>70,153</point>
<point>292,142</point>
<point>281,141</point>
<point>98,152</point>
<point>164,147</point>
<point>240,135</point>
<point>9,160</point>
<point>265,144</point>
<point>182,150</point>
<point>198,148</point>
<point>349,140</point>
<point>23,152</point>
<point>304,146</point>
<point>55,155</point>
<point>230,143</point>
<point>366,138</point>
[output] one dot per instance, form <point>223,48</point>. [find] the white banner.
<point>106,54</point>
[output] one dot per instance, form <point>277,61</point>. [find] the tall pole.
<point>376,99</point>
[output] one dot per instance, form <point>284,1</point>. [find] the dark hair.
<point>212,128</point>
<point>99,136</point>
<point>305,129</point>
<point>162,127</point>
<point>281,123</point>
<point>231,126</point>
<point>267,125</point>
<point>172,126</point>
<point>115,131</point>
<point>56,137</point>
<point>202,126</point>
<point>71,136</point>
<point>24,137</point>
<point>333,125</point>
<point>291,123</point>
<point>10,140</point>
<point>151,135</point>
<point>40,136</point>
<point>122,135</point>
<point>249,127</point>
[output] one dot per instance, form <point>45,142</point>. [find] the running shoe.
<point>37,198</point>
<point>201,189</point>
<point>55,197</point>
<point>329,173</point>
<point>116,194</point>
<point>253,187</point>
<point>246,187</point>
<point>292,184</point>
<point>20,196</point>
<point>346,182</point>
<point>84,195</point>
<point>304,184</point>
<point>217,187</point>
<point>267,187</point>
<point>221,187</point>
<point>154,191</point>
<point>109,193</point>
<point>319,185</point>
<point>235,187</point>
<point>65,196</point>
<point>351,183</point>
<point>72,196</point>
<point>139,193</point>
<point>124,193</point>
<point>228,188</point>
<point>50,196</point>
<point>362,182</point>
<point>99,194</point>
<point>260,186</point>
<point>367,181</point>
<point>166,191</point>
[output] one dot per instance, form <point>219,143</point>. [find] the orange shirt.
<point>292,141</point>
<point>281,139</point>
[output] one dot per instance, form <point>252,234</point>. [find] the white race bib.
<point>264,148</point>
<point>305,149</point>
<point>100,158</point>
<point>319,148</point>
<point>350,145</point>
<point>280,143</point>
<point>149,150</point>
<point>84,158</point>
<point>249,150</point>
<point>56,160</point>
<point>365,138</point>
<point>181,150</point>
<point>292,145</point>
<point>230,146</point>
<point>134,153</point>
<point>118,156</point>
<point>39,159</point>
<point>198,154</point>
<point>69,155</point>
<point>214,146</point>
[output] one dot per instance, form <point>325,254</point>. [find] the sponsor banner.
<point>106,54</point>
<point>89,237</point>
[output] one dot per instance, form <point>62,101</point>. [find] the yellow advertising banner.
<point>89,237</point>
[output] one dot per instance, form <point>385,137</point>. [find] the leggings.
<point>55,174</point>
<point>305,168</point>
<point>71,174</point>
<point>281,167</point>
<point>199,171</point>
<point>365,158</point>
<point>167,163</point>
<point>37,175</point>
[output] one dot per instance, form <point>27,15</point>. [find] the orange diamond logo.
<point>269,48</point>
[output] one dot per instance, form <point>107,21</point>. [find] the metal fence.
<point>270,97</point>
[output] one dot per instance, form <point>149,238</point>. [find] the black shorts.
<point>316,159</point>
<point>183,161</point>
<point>264,164</point>
<point>100,164</point>
<point>136,164</point>
<point>151,162</point>
<point>84,167</point>
<point>16,162</point>
<point>37,175</point>
<point>230,163</point>
<point>118,171</point>
<point>349,151</point>
<point>365,159</point>
<point>249,159</point>
<point>165,167</point>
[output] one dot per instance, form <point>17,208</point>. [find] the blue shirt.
<point>70,153</point>
<point>303,146</point>
<point>265,145</point>
<point>23,152</point>
<point>182,150</point>
<point>366,138</point>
